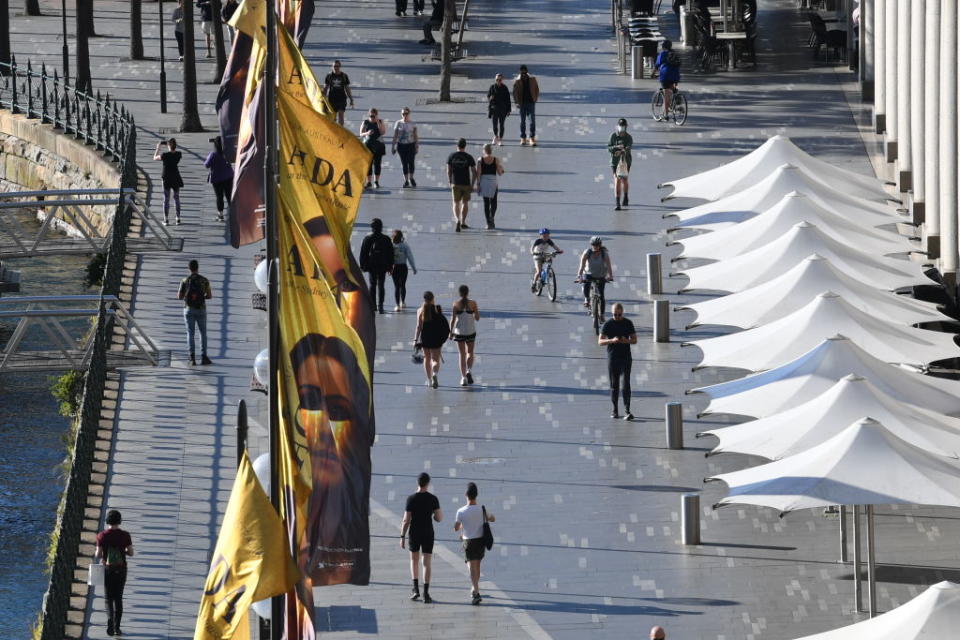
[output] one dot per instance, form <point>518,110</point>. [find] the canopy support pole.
<point>857,583</point>
<point>843,534</point>
<point>871,563</point>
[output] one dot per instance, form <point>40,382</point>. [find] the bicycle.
<point>678,107</point>
<point>596,302</point>
<point>547,277</point>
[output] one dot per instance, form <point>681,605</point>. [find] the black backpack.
<point>381,253</point>
<point>672,59</point>
<point>195,295</point>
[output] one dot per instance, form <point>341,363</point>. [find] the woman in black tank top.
<point>490,169</point>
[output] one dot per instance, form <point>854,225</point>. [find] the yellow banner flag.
<point>296,77</point>
<point>251,561</point>
<point>250,17</point>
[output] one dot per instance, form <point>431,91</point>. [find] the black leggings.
<point>619,368</point>
<point>498,121</point>
<point>115,578</point>
<point>377,279</point>
<point>602,282</point>
<point>399,274</point>
<point>375,165</point>
<point>490,207</point>
<point>408,152</point>
<point>222,189</point>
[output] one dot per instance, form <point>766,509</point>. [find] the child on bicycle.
<point>541,246</point>
<point>668,63</point>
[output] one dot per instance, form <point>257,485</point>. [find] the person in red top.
<point>113,547</point>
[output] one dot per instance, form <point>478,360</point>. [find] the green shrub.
<point>68,390</point>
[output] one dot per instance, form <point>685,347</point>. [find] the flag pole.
<point>271,214</point>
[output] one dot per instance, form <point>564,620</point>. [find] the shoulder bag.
<point>487,532</point>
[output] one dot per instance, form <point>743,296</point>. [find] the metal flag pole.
<point>273,308</point>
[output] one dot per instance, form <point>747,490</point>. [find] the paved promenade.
<point>587,508</point>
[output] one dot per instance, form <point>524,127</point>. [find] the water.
<point>32,446</point>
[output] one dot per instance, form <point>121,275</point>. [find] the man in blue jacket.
<point>668,62</point>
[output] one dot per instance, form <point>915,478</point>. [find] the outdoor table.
<point>732,37</point>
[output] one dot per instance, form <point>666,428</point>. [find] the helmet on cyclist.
<point>544,231</point>
<point>596,241</point>
<point>667,45</point>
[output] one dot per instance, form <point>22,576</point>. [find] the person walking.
<point>423,509</point>
<point>418,7</point>
<point>402,255</point>
<point>469,522</point>
<point>170,176</point>
<point>372,130</point>
<point>619,147</point>
<point>206,23</point>
<point>195,291</point>
<point>432,331</point>
<point>463,329</point>
<point>617,334</point>
<point>177,17</point>
<point>226,12</point>
<point>499,107</point>
<point>436,20</point>
<point>462,176</point>
<point>114,546</point>
<point>376,258</point>
<point>406,142</point>
<point>487,187</point>
<point>658,633</point>
<point>526,92</point>
<point>220,175</point>
<point>336,87</point>
<point>401,6</point>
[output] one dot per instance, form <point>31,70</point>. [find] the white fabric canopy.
<point>813,373</point>
<point>772,223</point>
<point>783,340</point>
<point>776,258</point>
<point>932,615</point>
<point>744,204</point>
<point>752,168</point>
<point>815,421</point>
<point>785,294</point>
<point>865,464</point>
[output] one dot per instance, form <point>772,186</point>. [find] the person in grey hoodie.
<point>402,255</point>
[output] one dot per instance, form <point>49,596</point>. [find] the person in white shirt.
<point>469,522</point>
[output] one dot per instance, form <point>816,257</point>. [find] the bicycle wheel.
<point>656,105</point>
<point>680,108</point>
<point>595,312</point>
<point>552,286</point>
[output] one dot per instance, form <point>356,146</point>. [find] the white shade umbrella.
<point>772,223</point>
<point>788,338</point>
<point>865,464</point>
<point>756,165</point>
<point>776,258</point>
<point>819,419</point>
<point>789,292</point>
<point>744,204</point>
<point>932,615</point>
<point>813,373</point>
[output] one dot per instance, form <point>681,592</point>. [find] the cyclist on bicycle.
<point>668,62</point>
<point>595,265</point>
<point>541,246</point>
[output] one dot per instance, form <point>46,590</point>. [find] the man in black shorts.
<point>618,334</point>
<point>422,508</point>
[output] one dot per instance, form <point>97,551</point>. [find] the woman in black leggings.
<point>371,130</point>
<point>406,142</point>
<point>498,97</point>
<point>402,255</point>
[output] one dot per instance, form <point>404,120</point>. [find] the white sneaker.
<point>463,382</point>
<point>396,308</point>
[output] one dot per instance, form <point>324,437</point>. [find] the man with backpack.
<point>195,291</point>
<point>376,258</point>
<point>668,62</point>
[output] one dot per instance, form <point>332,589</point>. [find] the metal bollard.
<point>661,321</point>
<point>636,59</point>
<point>654,274</point>
<point>674,420</point>
<point>690,518</point>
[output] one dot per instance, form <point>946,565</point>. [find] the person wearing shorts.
<point>336,87</point>
<point>469,522</point>
<point>668,66</point>
<point>463,330</point>
<point>423,508</point>
<point>462,175</point>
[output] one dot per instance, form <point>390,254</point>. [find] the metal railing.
<point>109,127</point>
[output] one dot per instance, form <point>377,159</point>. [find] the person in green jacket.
<point>619,147</point>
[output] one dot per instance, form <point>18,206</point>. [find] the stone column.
<point>915,72</point>
<point>879,21</point>
<point>931,128</point>
<point>904,117</point>
<point>890,55</point>
<point>948,141</point>
<point>866,68</point>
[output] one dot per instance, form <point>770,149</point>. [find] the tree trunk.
<point>446,42</point>
<point>218,44</point>
<point>82,80</point>
<point>88,17</point>
<point>136,29</point>
<point>191,114</point>
<point>5,35</point>
<point>31,7</point>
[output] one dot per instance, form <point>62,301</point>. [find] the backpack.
<point>381,253</point>
<point>672,59</point>
<point>194,295</point>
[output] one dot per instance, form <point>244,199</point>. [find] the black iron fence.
<point>106,125</point>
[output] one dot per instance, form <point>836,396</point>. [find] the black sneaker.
<point>205,360</point>
<point>427,599</point>
<point>615,415</point>
<point>415,595</point>
<point>464,225</point>
<point>193,361</point>
<point>413,183</point>
<point>476,599</point>
<point>406,184</point>
<point>469,378</point>
<point>110,628</point>
<point>628,416</point>
<point>626,200</point>
<point>617,208</point>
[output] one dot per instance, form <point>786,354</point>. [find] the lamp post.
<point>163,67</point>
<point>66,50</point>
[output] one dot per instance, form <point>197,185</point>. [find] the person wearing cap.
<point>540,246</point>
<point>595,265</point>
<point>526,92</point>
<point>619,147</point>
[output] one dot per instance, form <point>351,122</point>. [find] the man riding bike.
<point>595,265</point>
<point>540,246</point>
<point>668,63</point>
